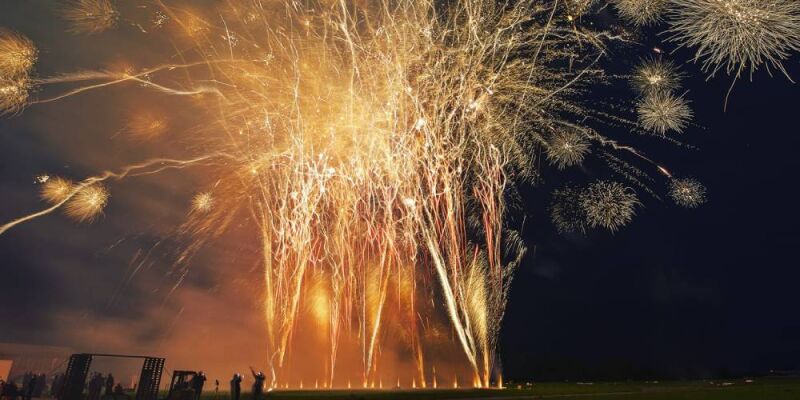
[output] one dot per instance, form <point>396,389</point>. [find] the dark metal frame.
<point>179,378</point>
<point>78,369</point>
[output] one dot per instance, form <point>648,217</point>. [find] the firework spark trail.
<point>131,170</point>
<point>116,78</point>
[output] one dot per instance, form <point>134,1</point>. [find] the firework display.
<point>374,148</point>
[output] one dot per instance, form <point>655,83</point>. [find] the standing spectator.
<point>197,384</point>
<point>26,381</point>
<point>258,385</point>
<point>41,383</point>
<point>53,386</point>
<point>236,386</point>
<point>30,388</point>
<point>10,391</point>
<point>109,385</point>
<point>95,386</point>
<point>58,383</point>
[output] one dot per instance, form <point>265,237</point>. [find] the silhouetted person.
<point>145,383</point>
<point>109,385</point>
<point>26,380</point>
<point>10,391</point>
<point>95,386</point>
<point>30,388</point>
<point>236,386</point>
<point>58,383</point>
<point>197,384</point>
<point>118,391</point>
<point>258,385</point>
<point>41,383</point>
<point>62,379</point>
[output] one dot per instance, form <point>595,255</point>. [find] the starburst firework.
<point>56,190</point>
<point>577,8</point>
<point>146,125</point>
<point>607,204</point>
<point>87,203</point>
<point>736,35</point>
<point>91,16</point>
<point>17,55</point>
<point>641,12</point>
<point>662,112</point>
<point>567,148</point>
<point>656,75</point>
<point>687,192</point>
<point>202,202</point>
<point>14,95</point>
<point>567,212</point>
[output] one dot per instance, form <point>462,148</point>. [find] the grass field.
<point>759,389</point>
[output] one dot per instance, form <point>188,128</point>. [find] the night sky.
<point>676,294</point>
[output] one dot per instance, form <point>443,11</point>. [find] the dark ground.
<point>760,389</point>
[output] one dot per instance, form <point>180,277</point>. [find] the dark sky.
<point>680,293</point>
<point>677,293</point>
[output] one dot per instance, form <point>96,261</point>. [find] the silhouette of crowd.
<point>33,386</point>
<point>105,387</point>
